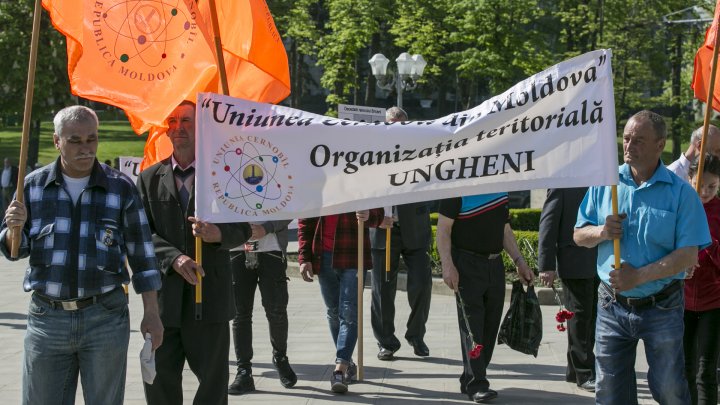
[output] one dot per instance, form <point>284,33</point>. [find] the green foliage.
<point>51,90</point>
<point>528,244</point>
<point>525,219</point>
<point>116,138</point>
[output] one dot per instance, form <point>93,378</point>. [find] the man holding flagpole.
<point>661,224</point>
<point>167,191</point>
<point>80,222</point>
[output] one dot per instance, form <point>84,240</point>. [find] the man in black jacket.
<point>410,237</point>
<point>167,191</point>
<point>559,255</point>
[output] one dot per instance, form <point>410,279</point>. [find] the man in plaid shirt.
<point>328,247</point>
<point>80,222</point>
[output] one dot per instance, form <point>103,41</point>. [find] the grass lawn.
<point>116,139</point>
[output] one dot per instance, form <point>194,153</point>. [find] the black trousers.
<point>482,287</point>
<point>580,296</point>
<point>419,291</point>
<point>270,276</point>
<point>702,345</point>
<point>206,347</point>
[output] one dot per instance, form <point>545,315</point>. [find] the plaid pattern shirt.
<point>80,250</point>
<point>345,250</point>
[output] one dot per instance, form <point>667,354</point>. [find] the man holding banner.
<point>167,191</point>
<point>80,222</point>
<point>661,224</point>
<point>410,237</point>
<point>328,247</point>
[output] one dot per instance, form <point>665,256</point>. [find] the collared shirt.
<point>80,250</point>
<point>479,221</point>
<point>663,215</point>
<point>681,167</point>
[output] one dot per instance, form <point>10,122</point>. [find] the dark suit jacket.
<point>556,245</point>
<point>414,221</point>
<point>172,236</point>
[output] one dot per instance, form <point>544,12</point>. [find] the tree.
<point>52,88</point>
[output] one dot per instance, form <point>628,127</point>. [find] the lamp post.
<point>409,70</point>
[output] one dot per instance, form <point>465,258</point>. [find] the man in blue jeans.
<point>661,224</point>
<point>79,222</point>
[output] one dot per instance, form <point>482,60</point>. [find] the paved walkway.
<point>519,378</point>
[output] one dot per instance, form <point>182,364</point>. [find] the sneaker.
<point>351,373</point>
<point>288,378</point>
<point>338,383</point>
<point>243,383</point>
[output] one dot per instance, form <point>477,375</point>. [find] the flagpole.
<point>708,112</point>
<point>226,91</point>
<point>16,233</point>
<point>616,242</point>
<point>360,288</point>
<point>387,254</point>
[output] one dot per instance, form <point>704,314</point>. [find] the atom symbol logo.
<point>144,29</point>
<point>252,176</point>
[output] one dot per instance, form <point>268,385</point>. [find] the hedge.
<point>521,219</point>
<point>527,241</point>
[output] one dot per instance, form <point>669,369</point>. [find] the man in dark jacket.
<point>559,255</point>
<point>167,191</point>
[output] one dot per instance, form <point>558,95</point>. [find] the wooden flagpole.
<point>616,242</point>
<point>708,112</point>
<point>360,288</point>
<point>16,233</point>
<point>387,254</point>
<point>226,91</point>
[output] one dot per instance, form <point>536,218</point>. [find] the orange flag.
<point>142,56</point>
<point>255,61</point>
<point>703,65</point>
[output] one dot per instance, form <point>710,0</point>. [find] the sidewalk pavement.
<point>518,378</point>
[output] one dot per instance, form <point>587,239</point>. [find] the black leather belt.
<point>488,256</point>
<point>72,305</point>
<point>645,302</point>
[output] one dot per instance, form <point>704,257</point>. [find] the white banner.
<point>130,165</point>
<point>554,129</point>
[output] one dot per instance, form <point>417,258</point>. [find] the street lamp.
<point>409,70</point>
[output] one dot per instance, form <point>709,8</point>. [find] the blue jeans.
<point>91,342</point>
<point>339,291</point>
<point>618,331</point>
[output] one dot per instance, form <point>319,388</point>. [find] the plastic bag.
<point>522,327</point>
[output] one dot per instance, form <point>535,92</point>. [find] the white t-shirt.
<point>75,186</point>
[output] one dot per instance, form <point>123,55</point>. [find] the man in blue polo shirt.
<point>661,225</point>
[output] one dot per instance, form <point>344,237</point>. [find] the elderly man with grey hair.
<point>80,221</point>
<point>682,165</point>
<point>410,238</point>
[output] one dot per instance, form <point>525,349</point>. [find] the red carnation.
<point>561,327</point>
<point>476,350</point>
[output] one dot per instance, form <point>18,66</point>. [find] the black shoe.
<point>351,372</point>
<point>420,347</point>
<point>338,383</point>
<point>288,378</point>
<point>588,386</point>
<point>385,354</point>
<point>484,396</point>
<point>243,383</point>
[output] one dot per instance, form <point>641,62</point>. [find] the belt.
<point>488,256</point>
<point>645,302</point>
<point>74,304</point>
